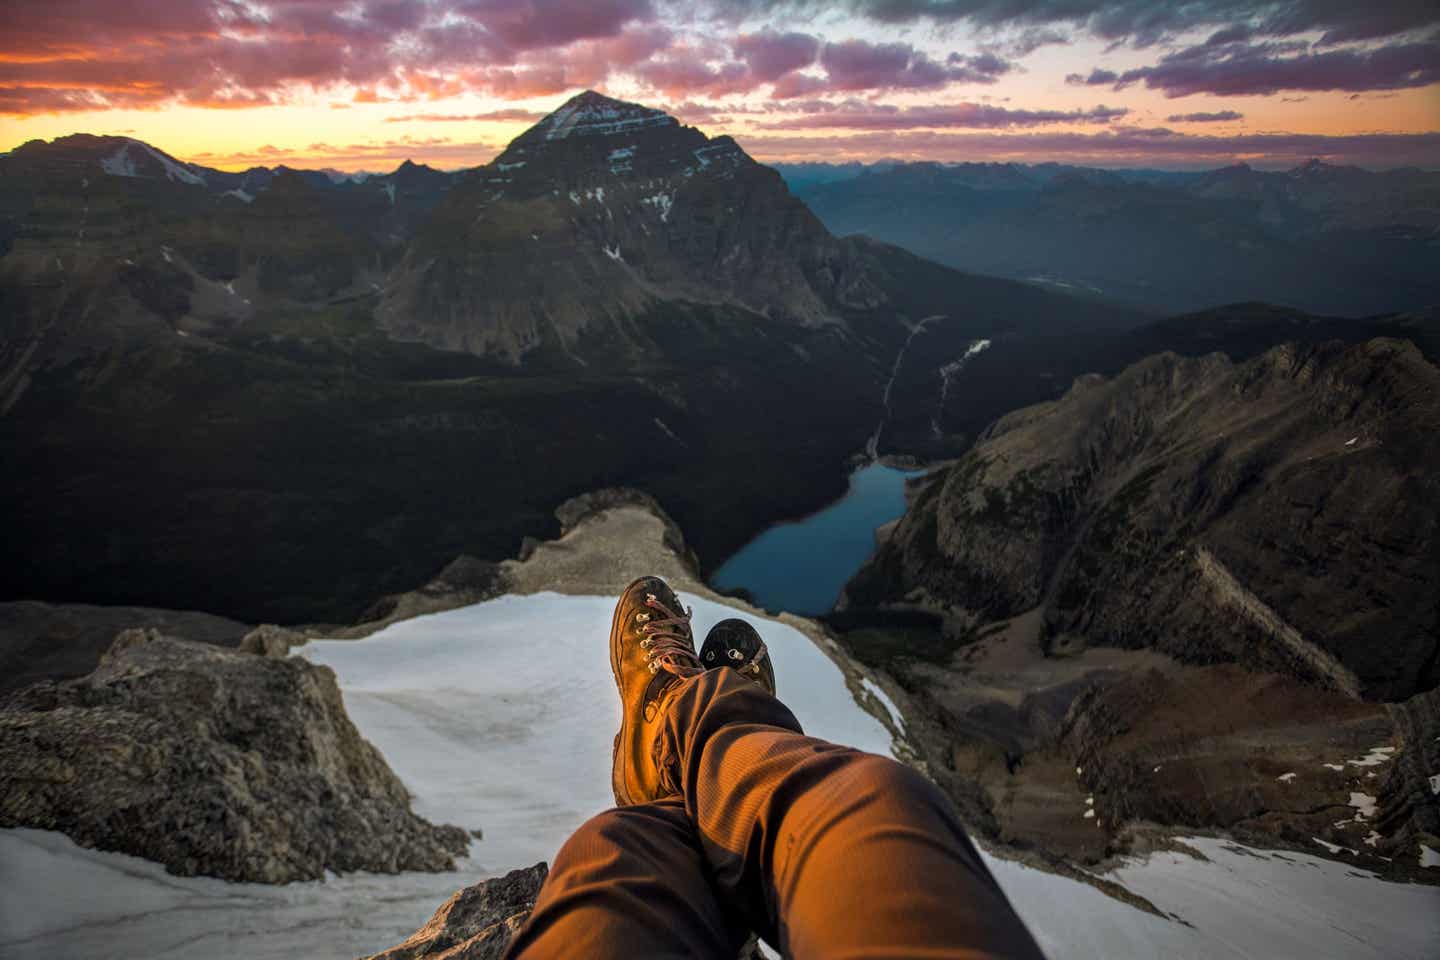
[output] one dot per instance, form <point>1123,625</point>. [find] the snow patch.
<point>389,189</point>
<point>1435,783</point>
<point>173,170</point>
<point>665,429</point>
<point>662,202</point>
<point>613,253</point>
<point>485,734</point>
<point>119,163</point>
<point>1285,777</point>
<point>240,195</point>
<point>509,166</point>
<point>1364,805</point>
<point>1375,757</point>
<point>594,119</point>
<point>947,375</point>
<point>1428,857</point>
<point>895,716</point>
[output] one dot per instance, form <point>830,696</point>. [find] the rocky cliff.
<point>1281,513</point>
<point>223,763</point>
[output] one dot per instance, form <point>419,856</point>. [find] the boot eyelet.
<point>644,643</point>
<point>653,665</point>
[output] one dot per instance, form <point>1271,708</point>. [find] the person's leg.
<point>833,853</point>
<point>631,882</point>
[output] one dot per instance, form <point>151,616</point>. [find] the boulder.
<point>212,762</point>
<point>477,923</point>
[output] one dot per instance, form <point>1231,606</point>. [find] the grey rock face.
<point>211,762</point>
<point>1281,513</point>
<point>477,923</point>
<point>598,212</point>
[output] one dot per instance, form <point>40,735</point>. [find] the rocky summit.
<point>227,764</point>
<point>601,210</point>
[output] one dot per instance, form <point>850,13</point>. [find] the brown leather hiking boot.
<point>734,643</point>
<point>651,650</point>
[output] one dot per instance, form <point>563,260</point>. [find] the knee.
<point>892,783</point>
<point>602,832</point>
<point>622,831</point>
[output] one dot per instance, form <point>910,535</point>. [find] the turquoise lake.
<point>801,566</point>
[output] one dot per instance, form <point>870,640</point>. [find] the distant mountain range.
<point>277,394</point>
<point>1326,239</point>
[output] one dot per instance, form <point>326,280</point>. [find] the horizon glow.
<point>233,84</point>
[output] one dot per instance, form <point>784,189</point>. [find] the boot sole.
<point>617,762</point>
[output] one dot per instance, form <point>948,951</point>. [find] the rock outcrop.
<point>1283,513</point>
<point>477,923</point>
<point>1409,801</point>
<point>213,762</point>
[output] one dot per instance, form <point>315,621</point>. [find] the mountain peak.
<point>591,114</point>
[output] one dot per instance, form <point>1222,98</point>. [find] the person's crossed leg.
<point>729,819</point>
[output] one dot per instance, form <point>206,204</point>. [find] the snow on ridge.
<point>122,164</point>
<point>896,716</point>
<point>595,119</point>
<point>173,170</point>
<point>239,194</point>
<point>119,163</point>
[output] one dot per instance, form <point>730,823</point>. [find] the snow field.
<point>500,716</point>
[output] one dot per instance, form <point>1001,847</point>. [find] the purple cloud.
<point>861,65</point>
<point>771,55</point>
<point>1262,69</point>
<point>1219,116</point>
<point>868,116</point>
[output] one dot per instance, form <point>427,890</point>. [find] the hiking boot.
<point>734,643</point>
<point>651,650</point>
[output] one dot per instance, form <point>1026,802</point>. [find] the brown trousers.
<point>825,851</point>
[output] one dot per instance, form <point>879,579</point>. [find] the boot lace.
<point>668,641</point>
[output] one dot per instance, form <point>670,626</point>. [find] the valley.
<point>1144,581</point>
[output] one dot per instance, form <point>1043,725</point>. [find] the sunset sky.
<point>363,85</point>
